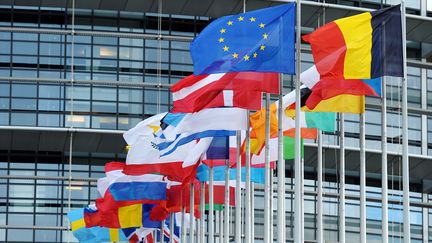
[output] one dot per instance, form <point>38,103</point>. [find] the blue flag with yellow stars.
<point>261,41</point>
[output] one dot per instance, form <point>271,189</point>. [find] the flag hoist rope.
<point>71,113</point>
<point>298,197</point>
<point>405,157</point>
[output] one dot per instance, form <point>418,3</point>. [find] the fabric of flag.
<point>219,174</point>
<point>289,147</point>
<point>333,94</point>
<point>261,41</point>
<point>363,46</point>
<point>243,90</point>
<point>219,192</point>
<point>92,234</point>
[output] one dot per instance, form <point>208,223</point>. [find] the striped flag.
<point>241,89</point>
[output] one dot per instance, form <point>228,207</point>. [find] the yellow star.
<point>246,58</point>
<point>230,22</point>
<point>265,36</point>
<point>252,19</point>
<point>221,40</point>
<point>223,31</point>
<point>240,18</point>
<point>261,25</point>
<point>225,48</point>
<point>255,55</point>
<point>262,47</point>
<point>235,55</point>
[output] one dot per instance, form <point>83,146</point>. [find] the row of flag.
<point>236,59</point>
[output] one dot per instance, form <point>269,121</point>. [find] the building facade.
<point>75,74</point>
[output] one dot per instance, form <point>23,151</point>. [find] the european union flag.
<point>261,41</point>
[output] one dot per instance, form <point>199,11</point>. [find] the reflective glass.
<point>24,48</point>
<point>23,119</point>
<point>24,90</point>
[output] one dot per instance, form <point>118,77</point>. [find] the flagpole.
<point>161,237</point>
<point>191,214</point>
<point>298,197</point>
<point>211,206</point>
<point>271,205</point>
<point>362,180</point>
<point>267,172</point>
<point>248,213</point>
<point>405,158</point>
<point>384,178</point>
<point>202,210</point>
<point>183,226</point>
<point>171,225</point>
<point>238,206</point>
<point>320,231</point>
<point>281,171</point>
<point>227,202</point>
<point>342,179</point>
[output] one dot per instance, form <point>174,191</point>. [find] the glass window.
<point>78,105</point>
<point>19,235</point>
<point>23,119</point>
<point>79,50</point>
<point>181,57</point>
<point>24,48</point>
<point>51,38</point>
<point>23,104</point>
<point>4,47</point>
<point>49,91</point>
<point>125,123</point>
<point>127,108</point>
<point>152,55</point>
<point>77,121</point>
<point>50,105</point>
<point>47,235</point>
<point>4,89</point>
<point>4,118</point>
<point>24,90</point>
<point>108,107</point>
<point>4,103</point>
<point>105,40</point>
<point>78,92</point>
<point>131,53</point>
<point>104,94</point>
<point>130,95</point>
<point>104,51</point>
<point>49,120</point>
<point>131,42</point>
<point>104,122</point>
<point>51,49</point>
<point>25,36</point>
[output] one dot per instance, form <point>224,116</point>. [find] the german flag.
<point>363,46</point>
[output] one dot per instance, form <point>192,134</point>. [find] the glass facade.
<point>116,65</point>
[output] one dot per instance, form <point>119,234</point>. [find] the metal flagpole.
<point>362,180</point>
<point>298,197</point>
<point>320,231</point>
<point>238,206</point>
<point>248,213</point>
<point>342,180</point>
<point>161,236</point>
<point>191,214</point>
<point>211,206</point>
<point>202,207</point>
<point>405,158</point>
<point>280,171</point>
<point>171,225</point>
<point>227,202</point>
<point>183,226</point>
<point>267,172</point>
<point>384,178</point>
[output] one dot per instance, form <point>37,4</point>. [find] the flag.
<point>243,90</point>
<point>334,94</point>
<point>259,41</point>
<point>219,192</point>
<point>289,148</point>
<point>363,46</point>
<point>92,234</point>
<point>257,174</point>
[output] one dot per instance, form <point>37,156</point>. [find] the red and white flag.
<point>242,89</point>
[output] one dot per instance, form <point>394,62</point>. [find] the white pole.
<point>248,216</point>
<point>183,226</point>
<point>191,214</point>
<point>281,172</point>
<point>342,180</point>
<point>362,180</point>
<point>202,209</point>
<point>298,197</point>
<point>238,206</point>
<point>171,225</point>
<point>320,231</point>
<point>211,220</point>
<point>405,158</point>
<point>227,202</point>
<point>267,172</point>
<point>161,236</point>
<point>384,178</point>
